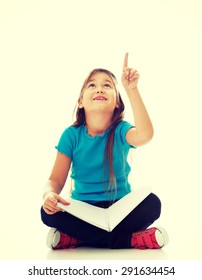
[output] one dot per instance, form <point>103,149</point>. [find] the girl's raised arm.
<point>143,131</point>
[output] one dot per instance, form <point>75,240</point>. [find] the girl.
<point>96,148</point>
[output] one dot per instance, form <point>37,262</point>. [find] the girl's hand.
<point>50,203</point>
<point>130,76</point>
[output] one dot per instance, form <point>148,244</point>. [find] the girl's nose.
<point>99,89</point>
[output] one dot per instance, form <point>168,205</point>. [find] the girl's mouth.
<point>99,98</point>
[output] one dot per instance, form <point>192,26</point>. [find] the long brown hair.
<point>116,119</point>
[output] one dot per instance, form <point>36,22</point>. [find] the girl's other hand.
<point>50,203</point>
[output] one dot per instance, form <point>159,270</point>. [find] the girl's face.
<point>99,94</point>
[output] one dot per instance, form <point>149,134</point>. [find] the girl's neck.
<point>97,124</point>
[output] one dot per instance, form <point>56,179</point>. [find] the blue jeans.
<point>140,218</point>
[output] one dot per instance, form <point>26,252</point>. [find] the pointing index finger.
<point>125,63</point>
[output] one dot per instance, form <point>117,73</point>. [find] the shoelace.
<point>144,240</point>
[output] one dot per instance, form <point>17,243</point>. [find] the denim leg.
<point>140,218</point>
<point>67,223</point>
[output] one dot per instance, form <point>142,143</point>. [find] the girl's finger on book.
<point>53,199</point>
<point>63,201</point>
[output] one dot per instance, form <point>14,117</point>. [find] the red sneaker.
<point>59,240</point>
<point>150,238</point>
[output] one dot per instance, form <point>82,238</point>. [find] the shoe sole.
<point>161,236</point>
<point>53,238</point>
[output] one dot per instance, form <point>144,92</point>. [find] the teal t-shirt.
<point>87,154</point>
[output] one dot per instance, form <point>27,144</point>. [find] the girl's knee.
<point>46,218</point>
<point>155,203</point>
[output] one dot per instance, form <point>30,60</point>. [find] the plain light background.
<point>47,48</point>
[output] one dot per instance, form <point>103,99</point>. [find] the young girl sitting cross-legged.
<point>95,149</point>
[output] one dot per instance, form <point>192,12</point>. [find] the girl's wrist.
<point>47,194</point>
<point>132,92</point>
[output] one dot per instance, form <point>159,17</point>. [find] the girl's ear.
<point>80,104</point>
<point>117,105</point>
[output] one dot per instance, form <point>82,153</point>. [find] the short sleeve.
<point>66,143</point>
<point>123,129</point>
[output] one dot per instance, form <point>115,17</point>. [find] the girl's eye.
<point>107,85</point>
<point>91,85</point>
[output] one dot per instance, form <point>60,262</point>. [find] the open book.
<point>108,218</point>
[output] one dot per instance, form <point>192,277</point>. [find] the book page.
<point>119,210</point>
<point>92,214</point>
<point>108,218</point>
